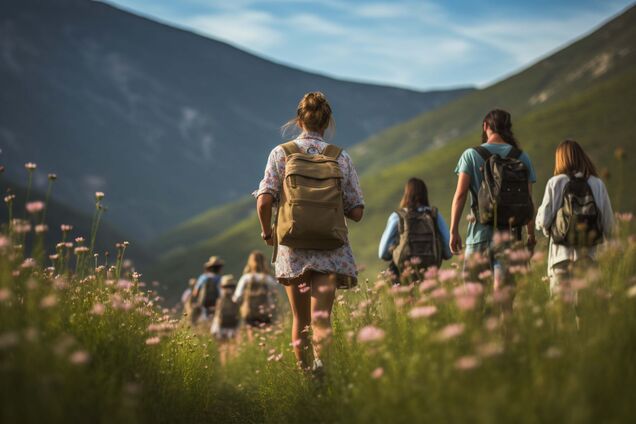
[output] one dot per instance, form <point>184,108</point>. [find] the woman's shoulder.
<point>555,179</point>
<point>595,181</point>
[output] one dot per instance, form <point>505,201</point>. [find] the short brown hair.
<point>571,159</point>
<point>415,194</point>
<point>313,113</point>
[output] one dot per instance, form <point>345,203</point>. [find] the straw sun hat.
<point>227,281</point>
<point>214,261</point>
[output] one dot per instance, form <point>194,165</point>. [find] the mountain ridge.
<point>165,121</point>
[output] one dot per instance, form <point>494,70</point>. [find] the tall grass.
<point>91,343</point>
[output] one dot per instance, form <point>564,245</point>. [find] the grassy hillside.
<point>596,57</point>
<point>590,85</point>
<point>597,117</point>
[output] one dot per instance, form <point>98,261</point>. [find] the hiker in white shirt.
<point>571,162</point>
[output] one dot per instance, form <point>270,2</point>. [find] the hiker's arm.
<point>198,285</point>
<point>532,240</point>
<point>356,213</point>
<point>240,287</point>
<point>545,213</point>
<point>264,204</point>
<point>389,237</point>
<point>459,200</point>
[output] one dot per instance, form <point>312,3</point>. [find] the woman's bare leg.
<point>323,293</point>
<point>300,303</point>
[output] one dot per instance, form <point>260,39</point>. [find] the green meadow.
<point>82,340</point>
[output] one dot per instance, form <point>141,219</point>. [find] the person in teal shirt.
<point>498,138</point>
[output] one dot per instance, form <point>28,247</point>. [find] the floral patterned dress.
<point>292,263</point>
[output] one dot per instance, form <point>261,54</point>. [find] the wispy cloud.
<point>415,43</point>
<point>255,30</point>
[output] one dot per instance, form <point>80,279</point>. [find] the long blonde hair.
<point>312,114</point>
<point>256,263</point>
<point>570,159</point>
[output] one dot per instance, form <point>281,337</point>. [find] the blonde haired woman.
<point>310,276</point>
<point>571,164</point>
<point>256,290</point>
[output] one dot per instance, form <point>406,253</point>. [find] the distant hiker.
<point>415,232</point>
<point>499,177</point>
<point>191,311</point>
<point>206,290</point>
<point>576,213</point>
<point>226,318</point>
<point>256,291</point>
<point>315,183</point>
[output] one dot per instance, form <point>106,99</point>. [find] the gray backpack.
<point>419,238</point>
<point>578,221</point>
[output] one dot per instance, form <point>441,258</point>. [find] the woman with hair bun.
<point>313,186</point>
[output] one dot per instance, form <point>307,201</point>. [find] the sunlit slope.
<point>597,57</point>
<point>599,117</point>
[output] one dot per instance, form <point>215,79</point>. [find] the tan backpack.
<point>257,304</point>
<point>311,212</point>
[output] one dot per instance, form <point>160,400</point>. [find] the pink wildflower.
<point>423,312</point>
<point>5,294</point>
<point>303,288</point>
<point>489,349</point>
<point>439,293</point>
<point>446,274</point>
<point>34,207</point>
<point>79,357</point>
<point>151,341</point>
<point>28,263</point>
<point>370,333</point>
<point>624,217</point>
<point>431,273</point>
<point>450,331</point>
<point>466,363</point>
<point>484,275</point>
<point>427,285</point>
<point>98,309</point>
<point>41,228</point>
<point>377,373</point>
<point>466,303</point>
<point>48,301</point>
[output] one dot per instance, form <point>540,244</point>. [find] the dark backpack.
<point>504,200</point>
<point>226,311</point>
<point>257,304</point>
<point>419,238</point>
<point>577,222</point>
<point>210,293</point>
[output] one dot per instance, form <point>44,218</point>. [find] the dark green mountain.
<point>166,122</point>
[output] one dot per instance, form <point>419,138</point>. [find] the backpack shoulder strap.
<point>434,213</point>
<point>332,151</point>
<point>401,213</point>
<point>290,148</point>
<point>514,153</point>
<point>483,152</point>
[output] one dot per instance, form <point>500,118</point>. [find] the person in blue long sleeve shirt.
<point>415,197</point>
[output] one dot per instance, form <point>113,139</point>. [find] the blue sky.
<point>420,44</point>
